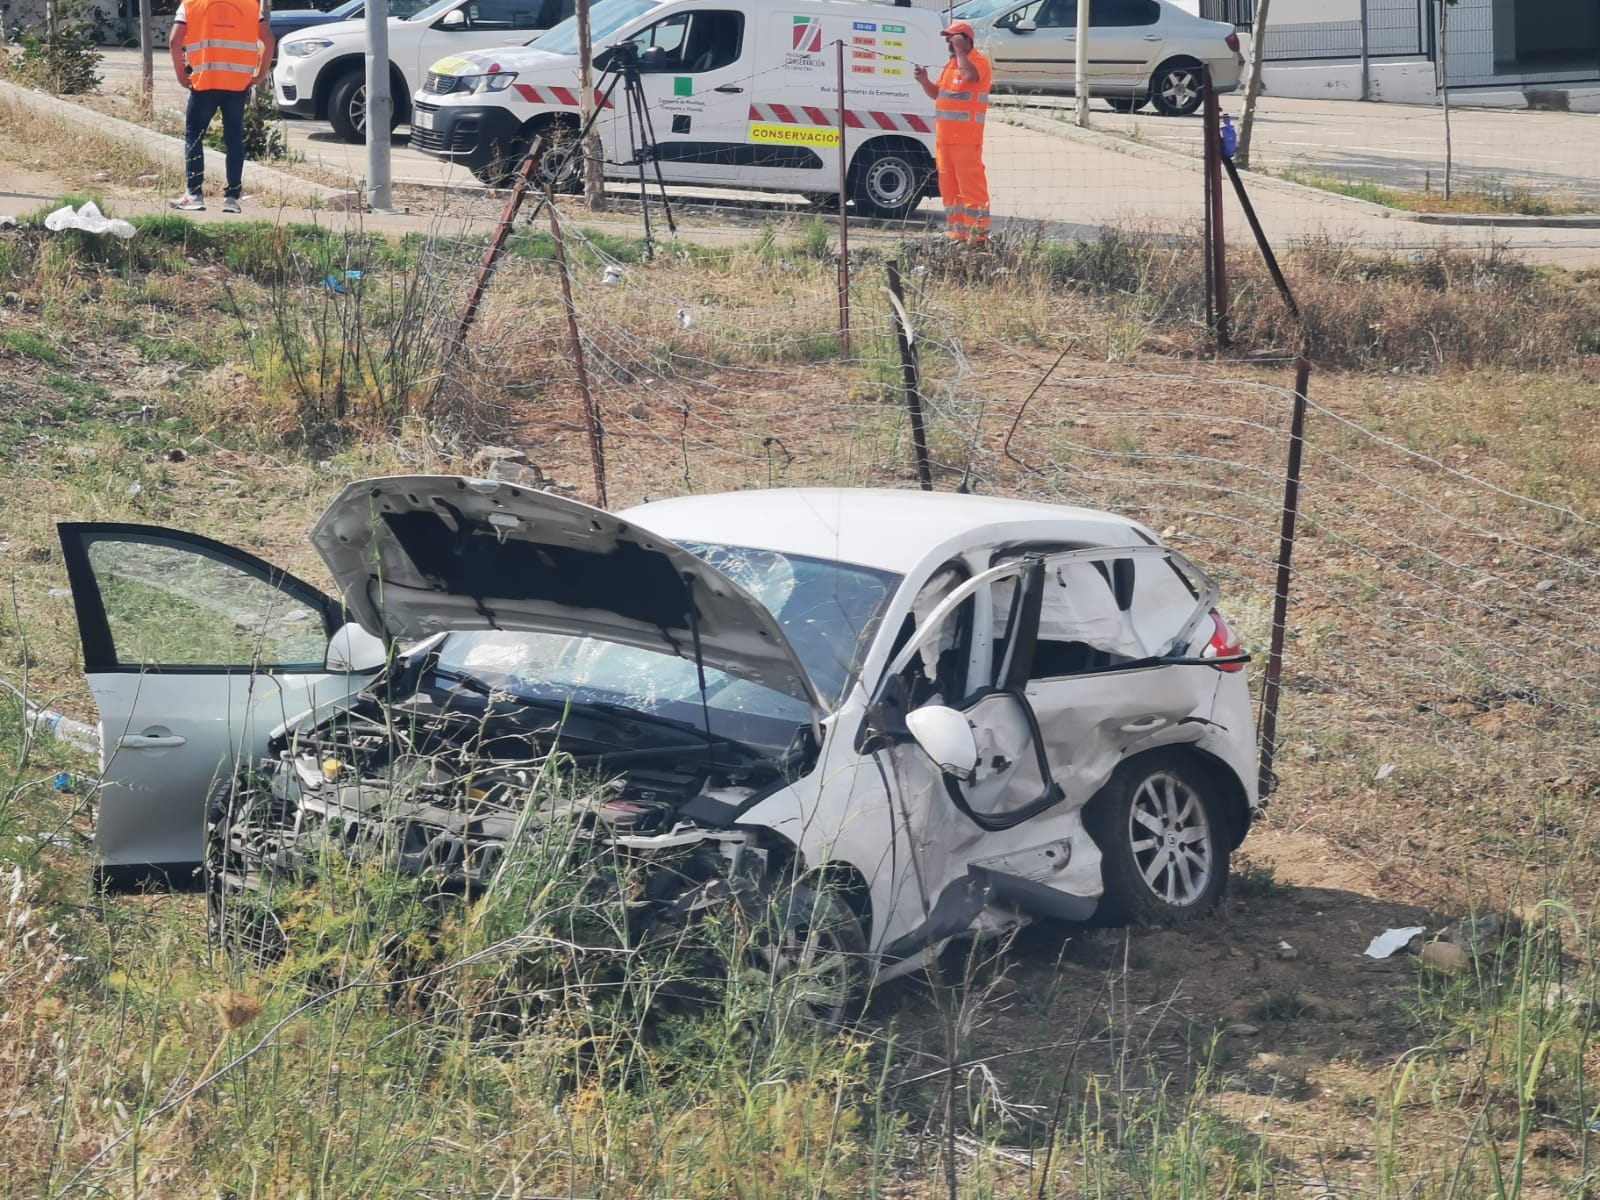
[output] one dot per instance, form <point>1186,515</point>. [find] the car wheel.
<point>560,165</point>
<point>814,953</point>
<point>1177,88</point>
<point>1127,104</point>
<point>240,922</point>
<point>1162,831</point>
<point>889,183</point>
<point>347,107</point>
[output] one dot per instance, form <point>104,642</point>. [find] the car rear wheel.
<point>1177,88</point>
<point>888,181</point>
<point>1161,826</point>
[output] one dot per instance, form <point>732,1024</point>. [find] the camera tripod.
<point>622,67</point>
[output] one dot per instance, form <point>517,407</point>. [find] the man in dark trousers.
<point>219,48</point>
<point>961,105</point>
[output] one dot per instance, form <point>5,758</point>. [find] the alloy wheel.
<point>1171,839</point>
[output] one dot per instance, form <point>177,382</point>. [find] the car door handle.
<point>1144,725</point>
<point>1152,37</point>
<point>728,87</point>
<point>146,741</point>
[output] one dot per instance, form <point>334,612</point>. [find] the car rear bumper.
<point>473,135</point>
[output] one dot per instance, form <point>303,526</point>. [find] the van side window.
<point>688,43</point>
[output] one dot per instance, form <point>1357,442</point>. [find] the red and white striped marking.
<point>806,114</point>
<point>555,97</point>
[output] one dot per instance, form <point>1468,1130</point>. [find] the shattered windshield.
<point>828,610</point>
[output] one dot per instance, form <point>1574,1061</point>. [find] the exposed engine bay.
<point>440,783</point>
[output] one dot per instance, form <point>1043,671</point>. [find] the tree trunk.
<point>594,193</point>
<point>1258,41</point>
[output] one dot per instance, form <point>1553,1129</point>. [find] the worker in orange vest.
<point>961,103</point>
<point>219,48</point>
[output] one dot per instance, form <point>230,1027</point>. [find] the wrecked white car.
<point>961,712</point>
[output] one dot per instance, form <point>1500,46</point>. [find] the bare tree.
<point>593,185</point>
<point>1258,42</point>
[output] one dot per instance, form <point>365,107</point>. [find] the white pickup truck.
<point>321,71</point>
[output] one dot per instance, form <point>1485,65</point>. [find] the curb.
<point>1121,145</point>
<point>166,150</point>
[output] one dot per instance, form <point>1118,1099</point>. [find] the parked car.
<point>321,71</point>
<point>732,88</point>
<point>963,712</point>
<point>292,20</point>
<point>1140,51</point>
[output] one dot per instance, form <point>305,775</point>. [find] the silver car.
<point>965,712</point>
<point>1140,51</point>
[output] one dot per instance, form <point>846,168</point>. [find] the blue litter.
<point>334,283</point>
<point>1230,136</point>
<point>62,782</point>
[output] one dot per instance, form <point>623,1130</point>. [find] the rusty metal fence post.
<point>591,413</point>
<point>910,381</point>
<point>1272,688</point>
<point>1216,241</point>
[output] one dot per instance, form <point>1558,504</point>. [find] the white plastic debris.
<point>1383,772</point>
<point>88,219</point>
<point>613,275</point>
<point>685,318</point>
<point>1390,940</point>
<point>7,221</point>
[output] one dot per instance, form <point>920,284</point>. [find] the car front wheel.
<point>1161,826</point>
<point>1177,88</point>
<point>347,107</point>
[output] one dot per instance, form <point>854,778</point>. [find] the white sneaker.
<point>230,204</point>
<point>188,202</point>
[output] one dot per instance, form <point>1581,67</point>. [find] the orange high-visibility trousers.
<point>964,189</point>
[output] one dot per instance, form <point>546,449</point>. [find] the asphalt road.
<point>1396,145</point>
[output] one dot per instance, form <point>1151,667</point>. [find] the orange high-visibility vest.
<point>960,107</point>
<point>222,43</point>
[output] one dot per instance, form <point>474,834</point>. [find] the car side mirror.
<point>946,737</point>
<point>354,651</point>
<point>454,19</point>
<point>1023,26</point>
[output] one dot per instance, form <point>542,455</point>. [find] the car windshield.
<point>605,18</point>
<point>828,610</point>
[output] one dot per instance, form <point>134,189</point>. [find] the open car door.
<point>1075,662</point>
<point>194,651</point>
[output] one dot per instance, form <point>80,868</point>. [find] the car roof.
<point>890,529</point>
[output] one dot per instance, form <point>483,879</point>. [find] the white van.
<point>740,93</point>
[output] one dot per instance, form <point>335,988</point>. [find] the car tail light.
<point>1224,645</point>
<point>1233,41</point>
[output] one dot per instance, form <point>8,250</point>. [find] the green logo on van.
<point>682,85</point>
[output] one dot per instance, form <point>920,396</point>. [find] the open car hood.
<point>416,555</point>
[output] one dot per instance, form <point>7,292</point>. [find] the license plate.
<point>422,120</point>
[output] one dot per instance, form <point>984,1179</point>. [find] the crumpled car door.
<point>1077,661</point>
